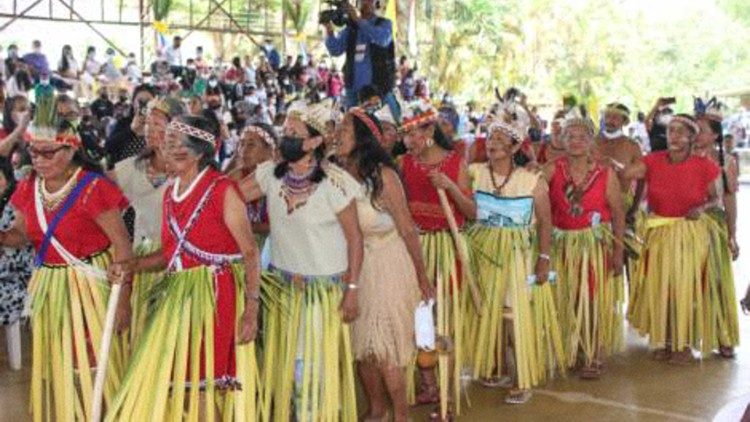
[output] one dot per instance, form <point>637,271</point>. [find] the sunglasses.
<point>47,154</point>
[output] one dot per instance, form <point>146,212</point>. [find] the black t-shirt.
<point>102,107</point>
<point>657,137</point>
<point>122,143</point>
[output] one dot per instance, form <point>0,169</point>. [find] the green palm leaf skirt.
<point>307,360</point>
<point>503,258</point>
<point>175,355</point>
<point>143,282</point>
<point>723,329</point>
<point>589,298</point>
<point>68,310</point>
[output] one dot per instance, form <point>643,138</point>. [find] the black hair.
<point>370,156</point>
<point>143,88</point>
<point>64,63</point>
<point>291,150</point>
<point>236,62</point>
<point>23,79</point>
<point>441,139</point>
<point>367,92</point>
<point>6,169</point>
<point>10,103</point>
<point>81,157</point>
<point>717,129</point>
<point>200,147</point>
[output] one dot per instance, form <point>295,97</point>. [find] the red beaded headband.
<point>67,138</point>
<point>367,120</point>
<point>186,129</point>
<point>428,116</point>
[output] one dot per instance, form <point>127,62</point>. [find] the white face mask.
<point>664,119</point>
<point>44,82</point>
<point>612,135</point>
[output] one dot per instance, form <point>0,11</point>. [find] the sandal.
<point>518,396</point>
<point>496,382</point>
<point>662,354</point>
<point>727,352</point>
<point>435,415</point>
<point>591,372</point>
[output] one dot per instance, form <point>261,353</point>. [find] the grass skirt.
<point>723,330</point>
<point>589,298</point>
<point>503,258</point>
<point>308,372</point>
<point>671,305</point>
<point>178,339</point>
<point>143,282</point>
<point>68,309</point>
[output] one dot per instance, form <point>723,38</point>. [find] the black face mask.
<point>291,149</point>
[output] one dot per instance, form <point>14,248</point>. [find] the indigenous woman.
<point>143,180</point>
<point>257,145</point>
<point>316,256</point>
<point>672,306</point>
<point>723,332</point>
<point>430,165</point>
<point>589,219</point>
<point>553,148</point>
<point>507,243</point>
<point>15,268</point>
<point>205,308</point>
<point>71,215</point>
<point>392,271</point>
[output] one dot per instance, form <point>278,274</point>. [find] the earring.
<point>430,142</point>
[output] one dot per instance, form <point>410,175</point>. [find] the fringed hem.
<point>307,357</point>
<point>140,294</point>
<point>67,314</point>
<point>589,299</point>
<point>177,340</point>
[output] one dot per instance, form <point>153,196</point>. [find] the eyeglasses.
<point>47,154</point>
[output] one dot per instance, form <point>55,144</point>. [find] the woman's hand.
<point>248,323</point>
<point>428,290</point>
<point>122,272</point>
<point>695,213</point>
<point>349,305</point>
<point>734,247</point>
<point>440,180</point>
<point>542,270</point>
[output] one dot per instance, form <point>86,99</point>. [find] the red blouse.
<point>78,231</point>
<point>424,202</point>
<point>594,199</point>
<point>209,232</point>
<point>675,189</point>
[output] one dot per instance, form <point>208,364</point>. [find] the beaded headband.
<point>367,120</point>
<point>619,109</point>
<point>186,129</point>
<point>506,129</point>
<point>265,136</point>
<point>67,138</point>
<point>584,122</point>
<point>687,122</point>
<point>429,116</point>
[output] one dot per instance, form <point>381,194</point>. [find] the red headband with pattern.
<point>367,120</point>
<point>417,120</point>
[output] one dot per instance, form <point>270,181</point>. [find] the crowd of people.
<point>275,224</point>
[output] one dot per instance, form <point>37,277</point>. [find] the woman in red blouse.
<point>207,311</point>
<point>431,165</point>
<point>588,216</point>
<point>71,214</point>
<point>673,304</point>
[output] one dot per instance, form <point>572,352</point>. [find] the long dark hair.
<point>6,169</point>
<point>369,156</point>
<point>81,158</point>
<point>64,63</point>
<point>9,125</point>
<point>441,139</point>
<point>719,139</point>
<point>200,147</point>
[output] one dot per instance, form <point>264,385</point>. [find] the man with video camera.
<point>367,40</point>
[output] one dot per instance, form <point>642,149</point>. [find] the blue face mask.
<point>159,180</point>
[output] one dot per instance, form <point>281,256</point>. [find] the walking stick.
<point>463,250</point>
<point>101,368</point>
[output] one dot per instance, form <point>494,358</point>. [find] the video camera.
<point>336,13</point>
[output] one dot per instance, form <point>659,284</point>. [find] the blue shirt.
<point>38,61</point>
<point>367,33</point>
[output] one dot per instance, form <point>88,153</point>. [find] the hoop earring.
<point>430,142</point>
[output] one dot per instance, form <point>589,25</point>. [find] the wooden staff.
<point>463,251</point>
<point>101,367</point>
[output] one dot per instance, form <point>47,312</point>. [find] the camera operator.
<point>367,40</point>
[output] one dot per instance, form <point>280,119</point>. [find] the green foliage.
<point>161,9</point>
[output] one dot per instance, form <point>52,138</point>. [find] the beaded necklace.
<point>52,200</point>
<point>296,190</point>
<point>498,189</point>
<point>574,191</point>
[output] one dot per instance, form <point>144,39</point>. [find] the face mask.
<point>12,53</point>
<point>612,135</point>
<point>159,180</point>
<point>664,119</point>
<point>16,116</point>
<point>191,67</point>
<point>37,49</point>
<point>212,83</point>
<point>44,82</point>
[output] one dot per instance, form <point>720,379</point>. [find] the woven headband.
<point>580,121</point>
<point>617,110</point>
<point>428,116</point>
<point>367,120</point>
<point>687,122</point>
<point>265,136</point>
<point>66,138</point>
<point>186,129</point>
<point>506,129</point>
